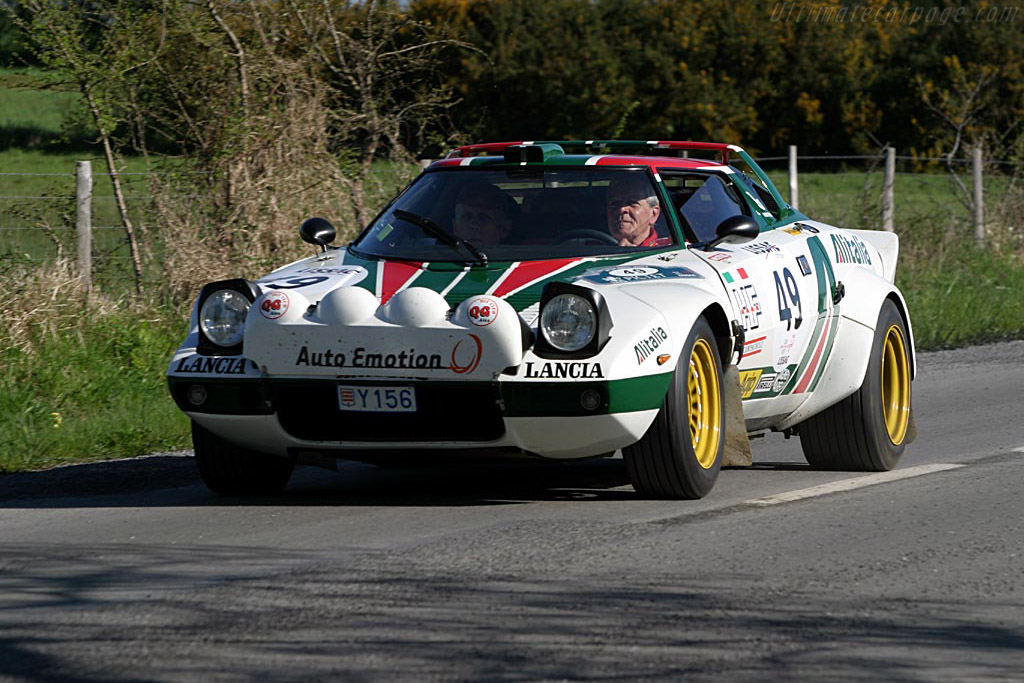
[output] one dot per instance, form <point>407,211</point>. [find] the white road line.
<point>850,484</point>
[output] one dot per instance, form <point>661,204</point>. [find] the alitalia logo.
<point>850,250</point>
<point>647,346</point>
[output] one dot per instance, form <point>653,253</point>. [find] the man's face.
<point>480,223</point>
<point>630,216</point>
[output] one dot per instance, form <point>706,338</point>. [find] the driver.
<point>483,214</point>
<point>633,210</point>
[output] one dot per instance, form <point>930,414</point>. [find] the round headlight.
<point>568,322</point>
<point>222,317</point>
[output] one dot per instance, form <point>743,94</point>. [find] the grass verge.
<point>970,296</point>
<point>94,390</point>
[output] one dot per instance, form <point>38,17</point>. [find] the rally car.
<point>551,335</point>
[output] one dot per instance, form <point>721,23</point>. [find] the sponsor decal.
<point>850,250</point>
<point>573,370</point>
<point>613,276</point>
<point>748,305</point>
<point>483,311</point>
<point>337,270</point>
<point>748,382</point>
<point>782,357</point>
<point>307,277</point>
<point>645,347</point>
<point>275,304</point>
<point>798,228</point>
<point>780,381</point>
<point>464,358</point>
<point>753,347</point>
<point>363,358</point>
<point>212,365</point>
<point>740,274</point>
<point>766,382</point>
<point>761,248</point>
<point>469,362</point>
<point>805,267</point>
<point>720,256</point>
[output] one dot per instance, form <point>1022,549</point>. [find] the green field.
<point>85,379</point>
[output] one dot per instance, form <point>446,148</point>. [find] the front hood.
<point>520,283</point>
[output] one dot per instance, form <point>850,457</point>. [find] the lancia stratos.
<point>498,306</point>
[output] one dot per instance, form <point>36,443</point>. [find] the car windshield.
<point>472,215</point>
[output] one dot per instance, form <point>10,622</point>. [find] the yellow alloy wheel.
<point>705,404</point>
<point>895,385</point>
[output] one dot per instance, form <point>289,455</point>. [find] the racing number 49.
<point>787,295</point>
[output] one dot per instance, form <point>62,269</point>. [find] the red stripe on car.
<point>528,272</point>
<point>397,274</point>
<point>806,379</point>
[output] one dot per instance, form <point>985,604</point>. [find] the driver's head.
<point>483,214</point>
<point>632,208</point>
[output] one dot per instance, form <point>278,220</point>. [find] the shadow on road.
<point>126,613</point>
<point>172,480</point>
<point>169,480</point>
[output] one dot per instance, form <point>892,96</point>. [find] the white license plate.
<point>371,399</point>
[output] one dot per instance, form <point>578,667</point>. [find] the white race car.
<point>563,300</point>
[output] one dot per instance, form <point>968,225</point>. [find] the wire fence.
<point>929,198</point>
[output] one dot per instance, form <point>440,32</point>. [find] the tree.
<point>96,47</point>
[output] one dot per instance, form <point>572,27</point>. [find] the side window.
<point>751,180</point>
<point>703,202</point>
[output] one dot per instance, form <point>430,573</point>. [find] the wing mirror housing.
<point>734,230</point>
<point>318,231</point>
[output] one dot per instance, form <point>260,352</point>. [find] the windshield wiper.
<point>440,233</point>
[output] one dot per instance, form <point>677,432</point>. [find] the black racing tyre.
<point>231,470</point>
<point>681,453</point>
<point>867,431</point>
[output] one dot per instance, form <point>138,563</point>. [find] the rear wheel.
<point>681,454</point>
<point>231,470</point>
<point>867,431</point>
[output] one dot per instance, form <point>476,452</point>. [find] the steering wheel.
<point>586,233</point>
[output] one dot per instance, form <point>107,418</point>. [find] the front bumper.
<point>547,419</point>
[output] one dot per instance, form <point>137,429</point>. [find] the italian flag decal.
<point>735,276</point>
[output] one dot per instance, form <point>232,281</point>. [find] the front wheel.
<point>681,454</point>
<point>868,430</point>
<point>231,470</point>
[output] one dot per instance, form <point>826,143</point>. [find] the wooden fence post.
<point>794,186</point>
<point>887,189</point>
<point>979,196</point>
<point>83,221</point>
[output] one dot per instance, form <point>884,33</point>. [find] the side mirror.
<point>318,231</point>
<point>735,229</point>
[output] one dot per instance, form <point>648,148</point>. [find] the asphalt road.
<point>132,571</point>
